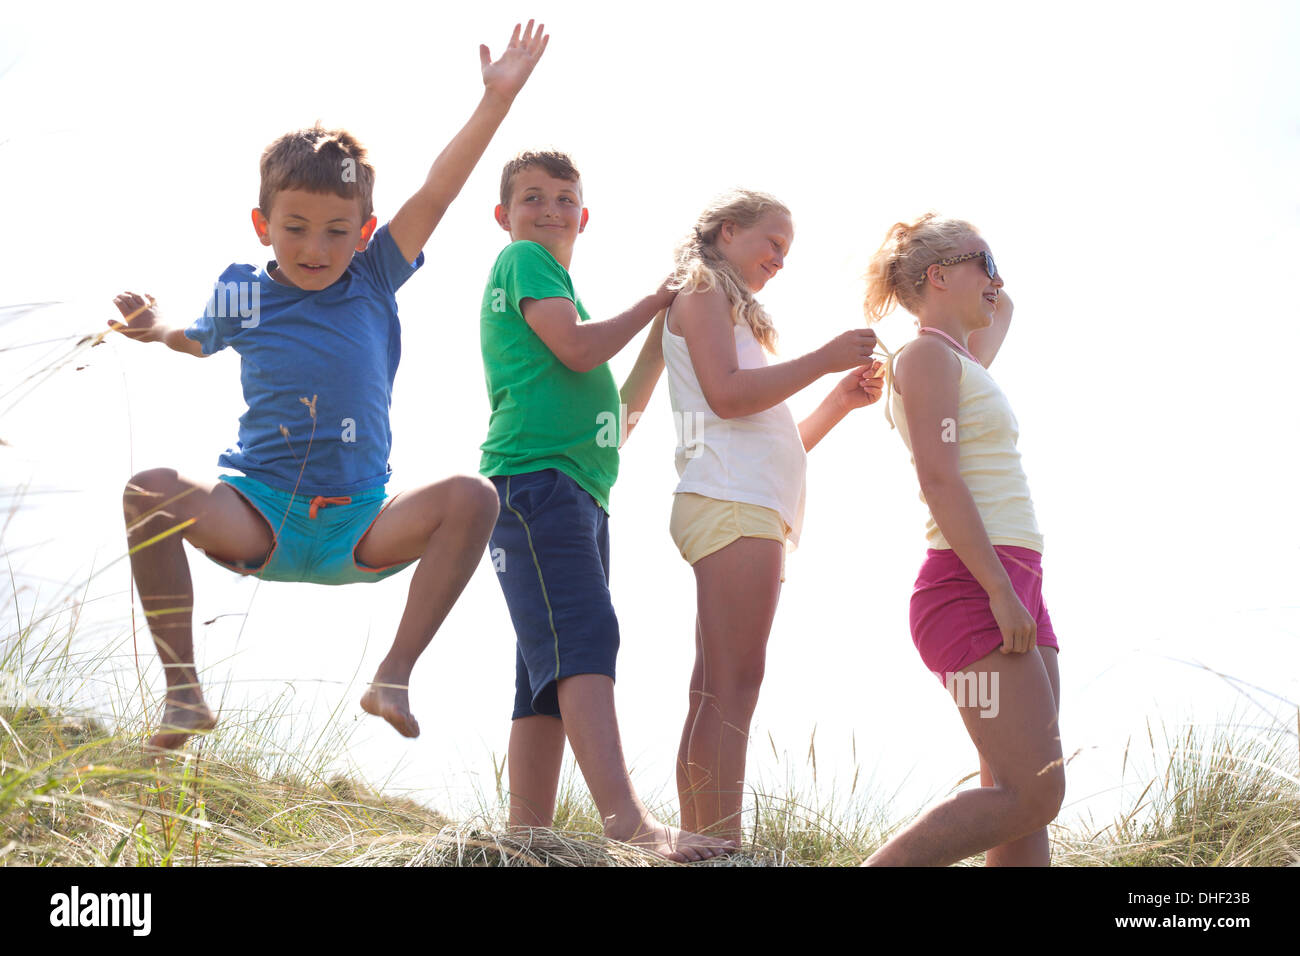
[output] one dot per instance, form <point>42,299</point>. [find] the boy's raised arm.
<point>502,80</point>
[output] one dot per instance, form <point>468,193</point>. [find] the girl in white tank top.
<point>740,458</point>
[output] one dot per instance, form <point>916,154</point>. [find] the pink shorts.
<point>952,625</point>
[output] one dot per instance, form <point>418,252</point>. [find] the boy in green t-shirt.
<point>552,453</point>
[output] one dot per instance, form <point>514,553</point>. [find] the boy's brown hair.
<point>321,161</point>
<point>556,164</point>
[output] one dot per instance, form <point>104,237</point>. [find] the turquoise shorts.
<point>315,537</point>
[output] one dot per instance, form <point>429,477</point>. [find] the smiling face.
<point>545,210</point>
<point>758,252</point>
<point>973,291</point>
<point>314,236</point>
<point>964,289</point>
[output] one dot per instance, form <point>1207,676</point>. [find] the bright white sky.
<point>1133,166</point>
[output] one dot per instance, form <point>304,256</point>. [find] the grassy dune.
<point>75,791</point>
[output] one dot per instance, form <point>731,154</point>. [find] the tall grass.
<point>78,790</point>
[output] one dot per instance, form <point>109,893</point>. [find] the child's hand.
<point>849,350</point>
<point>861,387</point>
<point>506,77</point>
<point>665,294</point>
<point>140,317</point>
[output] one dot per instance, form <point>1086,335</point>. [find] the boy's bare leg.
<point>447,526</point>
<point>587,705</point>
<point>1023,750</point>
<point>685,795</point>
<point>215,518</point>
<point>535,757</point>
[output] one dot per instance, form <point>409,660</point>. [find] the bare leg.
<point>738,588</point>
<point>685,797</point>
<point>212,517</point>
<point>447,526</point>
<point>534,759</point>
<point>587,704</point>
<point>1023,750</point>
<point>1036,848</point>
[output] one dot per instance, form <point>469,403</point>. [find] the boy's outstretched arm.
<point>502,80</point>
<point>583,346</point>
<point>141,322</point>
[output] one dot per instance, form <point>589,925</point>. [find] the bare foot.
<point>680,846</point>
<point>182,719</point>
<point>390,702</point>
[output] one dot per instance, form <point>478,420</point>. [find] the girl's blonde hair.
<point>908,251</point>
<point>700,265</point>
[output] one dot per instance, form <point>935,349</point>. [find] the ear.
<point>366,232</point>
<point>937,276</point>
<point>502,216</point>
<point>582,223</point>
<point>728,231</point>
<point>262,226</point>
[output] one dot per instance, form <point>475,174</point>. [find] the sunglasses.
<point>989,266</point>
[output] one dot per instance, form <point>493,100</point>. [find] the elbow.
<point>575,358</point>
<point>722,407</point>
<point>936,482</point>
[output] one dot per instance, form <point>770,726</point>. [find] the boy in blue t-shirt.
<point>319,342</point>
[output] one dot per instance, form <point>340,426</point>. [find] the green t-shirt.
<point>544,415</point>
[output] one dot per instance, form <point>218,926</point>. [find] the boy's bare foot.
<point>680,846</point>
<point>182,719</point>
<point>390,702</point>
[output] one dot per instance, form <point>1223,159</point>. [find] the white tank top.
<point>758,459</point>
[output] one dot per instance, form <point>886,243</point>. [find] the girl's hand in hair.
<point>849,350</point>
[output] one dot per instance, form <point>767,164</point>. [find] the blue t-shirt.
<point>338,347</point>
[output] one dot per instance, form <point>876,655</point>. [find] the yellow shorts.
<point>701,525</point>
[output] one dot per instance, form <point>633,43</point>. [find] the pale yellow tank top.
<point>986,432</point>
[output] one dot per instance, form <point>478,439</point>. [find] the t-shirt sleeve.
<point>225,309</point>
<point>382,261</point>
<point>528,271</point>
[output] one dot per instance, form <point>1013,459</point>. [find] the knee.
<point>739,680</point>
<point>146,490</point>
<point>1042,796</point>
<point>475,499</point>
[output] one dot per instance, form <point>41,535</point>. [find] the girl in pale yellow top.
<point>977,614</point>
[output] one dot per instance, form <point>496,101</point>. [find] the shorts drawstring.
<point>320,501</point>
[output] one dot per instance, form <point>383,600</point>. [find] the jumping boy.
<point>318,337</point>
<point>552,453</point>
